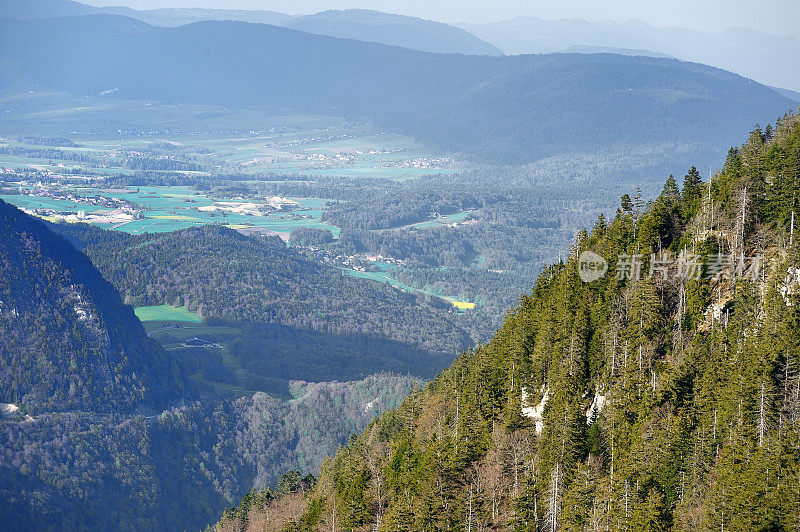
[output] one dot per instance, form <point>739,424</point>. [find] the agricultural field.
<point>206,351</point>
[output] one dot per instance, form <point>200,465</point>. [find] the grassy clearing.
<point>167,313</point>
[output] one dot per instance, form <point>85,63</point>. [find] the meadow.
<point>166,313</point>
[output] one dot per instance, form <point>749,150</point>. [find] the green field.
<point>166,313</point>
<point>172,335</point>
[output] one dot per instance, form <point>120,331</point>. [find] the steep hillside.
<point>66,340</point>
<point>501,109</point>
<point>395,30</point>
<point>179,469</point>
<point>661,393</point>
<point>97,428</point>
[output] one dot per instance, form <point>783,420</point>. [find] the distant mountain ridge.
<point>792,95</point>
<point>396,30</point>
<point>170,17</point>
<point>497,109</point>
<point>587,49</point>
<point>361,24</point>
<point>35,9</point>
<point>770,59</point>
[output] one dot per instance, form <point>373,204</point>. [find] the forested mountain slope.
<point>363,327</point>
<point>98,429</point>
<point>179,469</point>
<point>633,401</point>
<point>497,109</point>
<point>67,342</point>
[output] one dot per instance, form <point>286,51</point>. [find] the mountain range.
<point>361,24</point>
<point>770,59</point>
<point>497,109</point>
<point>397,30</point>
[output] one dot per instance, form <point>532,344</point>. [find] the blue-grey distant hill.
<point>397,30</point>
<point>33,9</point>
<point>585,49</point>
<point>501,109</point>
<point>770,59</point>
<point>792,95</point>
<point>174,16</point>
<point>361,24</point>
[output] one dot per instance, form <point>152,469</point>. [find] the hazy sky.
<point>773,16</point>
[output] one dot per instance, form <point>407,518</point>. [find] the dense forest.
<point>141,161</point>
<point>403,207</point>
<point>226,276</point>
<point>66,340</point>
<point>102,428</point>
<point>180,468</point>
<point>504,236</point>
<point>664,394</point>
